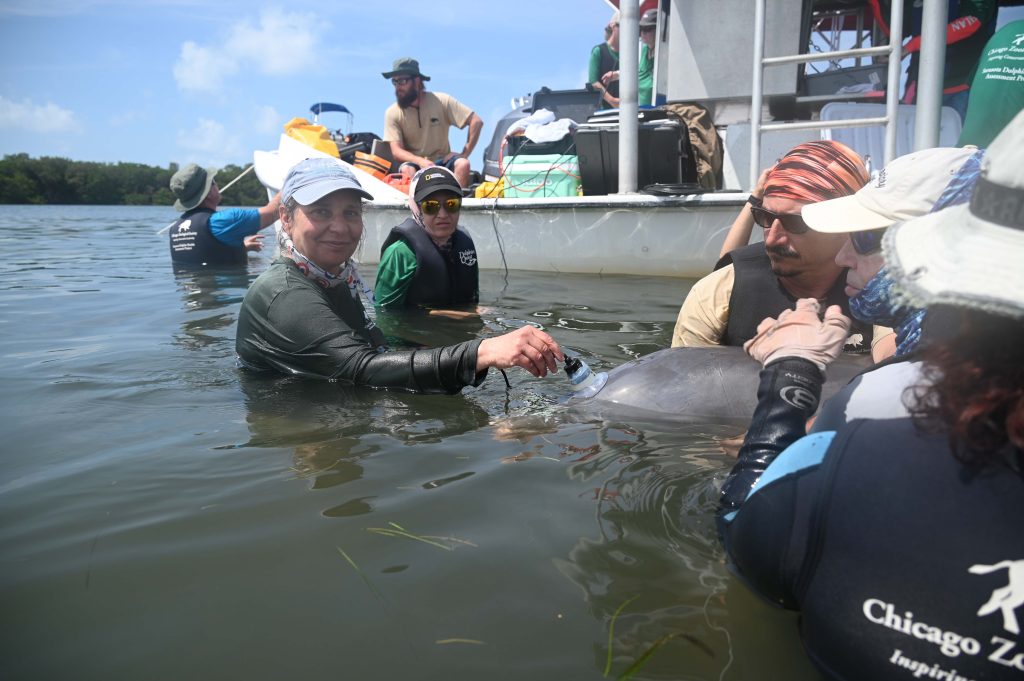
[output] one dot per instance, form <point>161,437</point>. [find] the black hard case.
<point>663,156</point>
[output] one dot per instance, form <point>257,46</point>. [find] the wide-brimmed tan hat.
<point>971,255</point>
<point>905,189</point>
<point>190,185</point>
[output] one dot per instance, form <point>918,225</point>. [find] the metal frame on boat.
<point>642,234</point>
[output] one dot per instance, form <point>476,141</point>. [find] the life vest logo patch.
<point>467,258</point>
<point>185,226</point>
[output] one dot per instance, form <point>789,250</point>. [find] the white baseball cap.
<point>906,188</point>
<point>970,255</point>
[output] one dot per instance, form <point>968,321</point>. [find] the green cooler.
<point>541,176</point>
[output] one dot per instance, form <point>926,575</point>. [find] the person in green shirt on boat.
<point>604,61</point>
<point>997,87</point>
<point>645,67</point>
<point>428,260</point>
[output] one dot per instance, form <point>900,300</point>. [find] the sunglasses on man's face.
<point>433,206</point>
<point>647,29</point>
<point>609,29</point>
<point>401,80</point>
<point>868,241</point>
<point>791,222</point>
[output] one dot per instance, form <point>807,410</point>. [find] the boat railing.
<point>893,50</point>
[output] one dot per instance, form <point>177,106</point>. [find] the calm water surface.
<point>163,516</point>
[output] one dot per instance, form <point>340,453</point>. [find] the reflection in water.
<point>210,299</point>
<point>416,327</point>
<point>656,561</point>
<point>331,426</point>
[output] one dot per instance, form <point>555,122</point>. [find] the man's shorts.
<point>449,164</point>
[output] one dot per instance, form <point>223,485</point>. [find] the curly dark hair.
<point>974,388</point>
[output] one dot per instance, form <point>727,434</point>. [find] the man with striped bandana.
<point>763,279</point>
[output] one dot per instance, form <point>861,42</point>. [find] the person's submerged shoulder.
<point>282,274</point>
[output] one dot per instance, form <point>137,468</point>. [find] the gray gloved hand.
<point>801,333</point>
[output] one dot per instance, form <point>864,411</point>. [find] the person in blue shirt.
<point>202,236</point>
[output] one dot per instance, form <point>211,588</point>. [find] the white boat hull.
<point>635,234</point>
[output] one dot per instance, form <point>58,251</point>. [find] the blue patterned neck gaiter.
<point>877,304</point>
<point>879,301</point>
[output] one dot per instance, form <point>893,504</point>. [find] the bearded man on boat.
<point>417,124</point>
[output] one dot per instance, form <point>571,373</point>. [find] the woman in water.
<point>427,260</point>
<point>898,540</point>
<point>303,317</point>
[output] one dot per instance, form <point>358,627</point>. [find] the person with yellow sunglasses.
<point>427,261</point>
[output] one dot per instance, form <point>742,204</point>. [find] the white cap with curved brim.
<point>905,189</point>
<point>310,180</point>
<point>971,255</point>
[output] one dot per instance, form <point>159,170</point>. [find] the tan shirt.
<point>705,312</point>
<point>423,130</point>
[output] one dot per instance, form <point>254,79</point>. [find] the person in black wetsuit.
<point>899,540</point>
<point>302,317</point>
<point>202,235</point>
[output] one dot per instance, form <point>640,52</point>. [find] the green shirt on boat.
<point>645,77</point>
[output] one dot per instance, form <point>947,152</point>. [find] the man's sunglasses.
<point>647,29</point>
<point>791,222</point>
<point>868,241</point>
<point>609,29</point>
<point>433,206</point>
<point>402,80</point>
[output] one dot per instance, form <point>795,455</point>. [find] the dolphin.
<point>715,384</point>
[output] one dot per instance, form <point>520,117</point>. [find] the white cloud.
<point>280,44</point>
<point>210,140</point>
<point>283,43</point>
<point>266,119</point>
<point>47,117</point>
<point>202,69</point>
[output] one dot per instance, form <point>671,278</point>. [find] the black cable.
<point>494,212</point>
<point>505,376</point>
<point>677,189</point>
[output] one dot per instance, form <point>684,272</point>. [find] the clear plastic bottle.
<point>585,383</point>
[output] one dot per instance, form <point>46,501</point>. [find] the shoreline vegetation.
<point>60,181</point>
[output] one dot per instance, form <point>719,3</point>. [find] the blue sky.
<point>209,81</point>
<point>155,81</point>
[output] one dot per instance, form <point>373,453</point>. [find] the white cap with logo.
<point>906,188</point>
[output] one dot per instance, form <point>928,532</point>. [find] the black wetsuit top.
<point>903,562</point>
<point>290,324</point>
